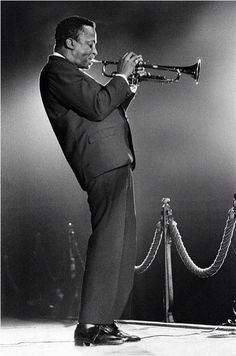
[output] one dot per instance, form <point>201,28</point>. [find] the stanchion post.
<point>169,293</point>
<point>73,297</point>
<point>71,235</point>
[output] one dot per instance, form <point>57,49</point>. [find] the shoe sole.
<point>81,343</point>
<point>85,343</point>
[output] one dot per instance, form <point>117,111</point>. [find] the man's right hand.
<point>127,63</point>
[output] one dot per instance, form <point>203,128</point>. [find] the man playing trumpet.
<point>91,125</point>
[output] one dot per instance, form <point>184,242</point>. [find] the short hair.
<point>69,27</point>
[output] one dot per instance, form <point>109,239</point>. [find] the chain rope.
<point>152,251</point>
<point>188,262</point>
<point>221,254</point>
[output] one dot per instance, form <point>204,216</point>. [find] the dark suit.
<point>91,126</point>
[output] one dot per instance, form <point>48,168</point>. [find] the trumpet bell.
<point>193,71</point>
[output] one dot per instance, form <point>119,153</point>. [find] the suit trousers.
<point>111,254</point>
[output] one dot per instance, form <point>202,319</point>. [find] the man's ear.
<point>69,43</point>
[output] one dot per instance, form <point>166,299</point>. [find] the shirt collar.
<point>58,55</point>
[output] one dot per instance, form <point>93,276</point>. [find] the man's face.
<point>85,47</point>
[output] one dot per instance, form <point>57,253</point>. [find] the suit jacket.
<point>88,118</point>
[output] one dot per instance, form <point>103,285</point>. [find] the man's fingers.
<point>125,55</point>
<point>133,56</point>
<point>130,55</point>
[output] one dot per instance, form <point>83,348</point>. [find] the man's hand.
<point>127,63</point>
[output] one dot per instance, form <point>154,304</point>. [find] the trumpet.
<point>193,71</point>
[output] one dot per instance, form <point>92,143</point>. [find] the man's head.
<point>76,39</point>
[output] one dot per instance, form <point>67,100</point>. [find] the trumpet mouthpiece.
<point>96,61</point>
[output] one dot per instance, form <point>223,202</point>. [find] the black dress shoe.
<point>115,330</point>
<point>90,334</point>
<point>85,334</point>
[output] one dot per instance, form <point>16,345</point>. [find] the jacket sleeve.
<point>80,92</point>
<point>127,101</point>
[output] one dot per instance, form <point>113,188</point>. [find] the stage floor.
<point>52,338</point>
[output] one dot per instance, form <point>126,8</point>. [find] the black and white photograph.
<point>118,178</point>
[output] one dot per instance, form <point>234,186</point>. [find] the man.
<point>91,126</point>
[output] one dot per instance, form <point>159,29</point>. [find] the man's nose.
<point>95,52</point>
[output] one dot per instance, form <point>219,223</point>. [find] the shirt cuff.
<point>122,76</point>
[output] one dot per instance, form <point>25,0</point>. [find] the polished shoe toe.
<point>106,337</point>
<point>120,333</point>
